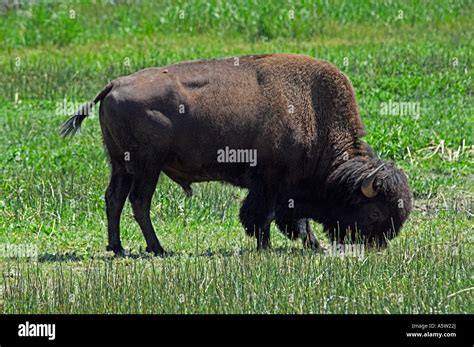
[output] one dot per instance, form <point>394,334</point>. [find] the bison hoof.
<point>118,251</point>
<point>310,242</point>
<point>314,246</point>
<point>319,249</point>
<point>188,192</point>
<point>264,247</point>
<point>156,250</point>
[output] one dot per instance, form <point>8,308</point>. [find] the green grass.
<point>51,190</point>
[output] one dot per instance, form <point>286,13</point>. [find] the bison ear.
<point>367,187</point>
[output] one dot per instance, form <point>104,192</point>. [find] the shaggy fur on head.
<point>374,219</point>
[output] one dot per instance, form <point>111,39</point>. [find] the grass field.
<point>55,56</point>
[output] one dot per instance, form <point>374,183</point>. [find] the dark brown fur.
<point>248,106</point>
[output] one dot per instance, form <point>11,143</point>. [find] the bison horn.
<point>367,186</point>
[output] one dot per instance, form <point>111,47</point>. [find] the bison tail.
<point>73,124</point>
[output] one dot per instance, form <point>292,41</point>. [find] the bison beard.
<point>297,113</point>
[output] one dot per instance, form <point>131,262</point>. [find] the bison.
<point>297,114</point>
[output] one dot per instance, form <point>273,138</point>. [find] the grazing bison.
<point>198,121</point>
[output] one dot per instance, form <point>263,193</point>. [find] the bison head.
<point>368,200</point>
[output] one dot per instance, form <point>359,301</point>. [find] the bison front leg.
<point>141,193</point>
<point>256,215</point>
<point>309,240</point>
<point>298,228</point>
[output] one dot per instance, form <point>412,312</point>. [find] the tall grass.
<point>44,23</point>
<point>288,281</point>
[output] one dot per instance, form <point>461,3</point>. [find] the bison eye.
<point>375,215</point>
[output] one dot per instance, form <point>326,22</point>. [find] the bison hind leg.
<point>140,197</point>
<point>116,193</point>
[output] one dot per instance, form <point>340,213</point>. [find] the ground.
<point>416,56</point>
